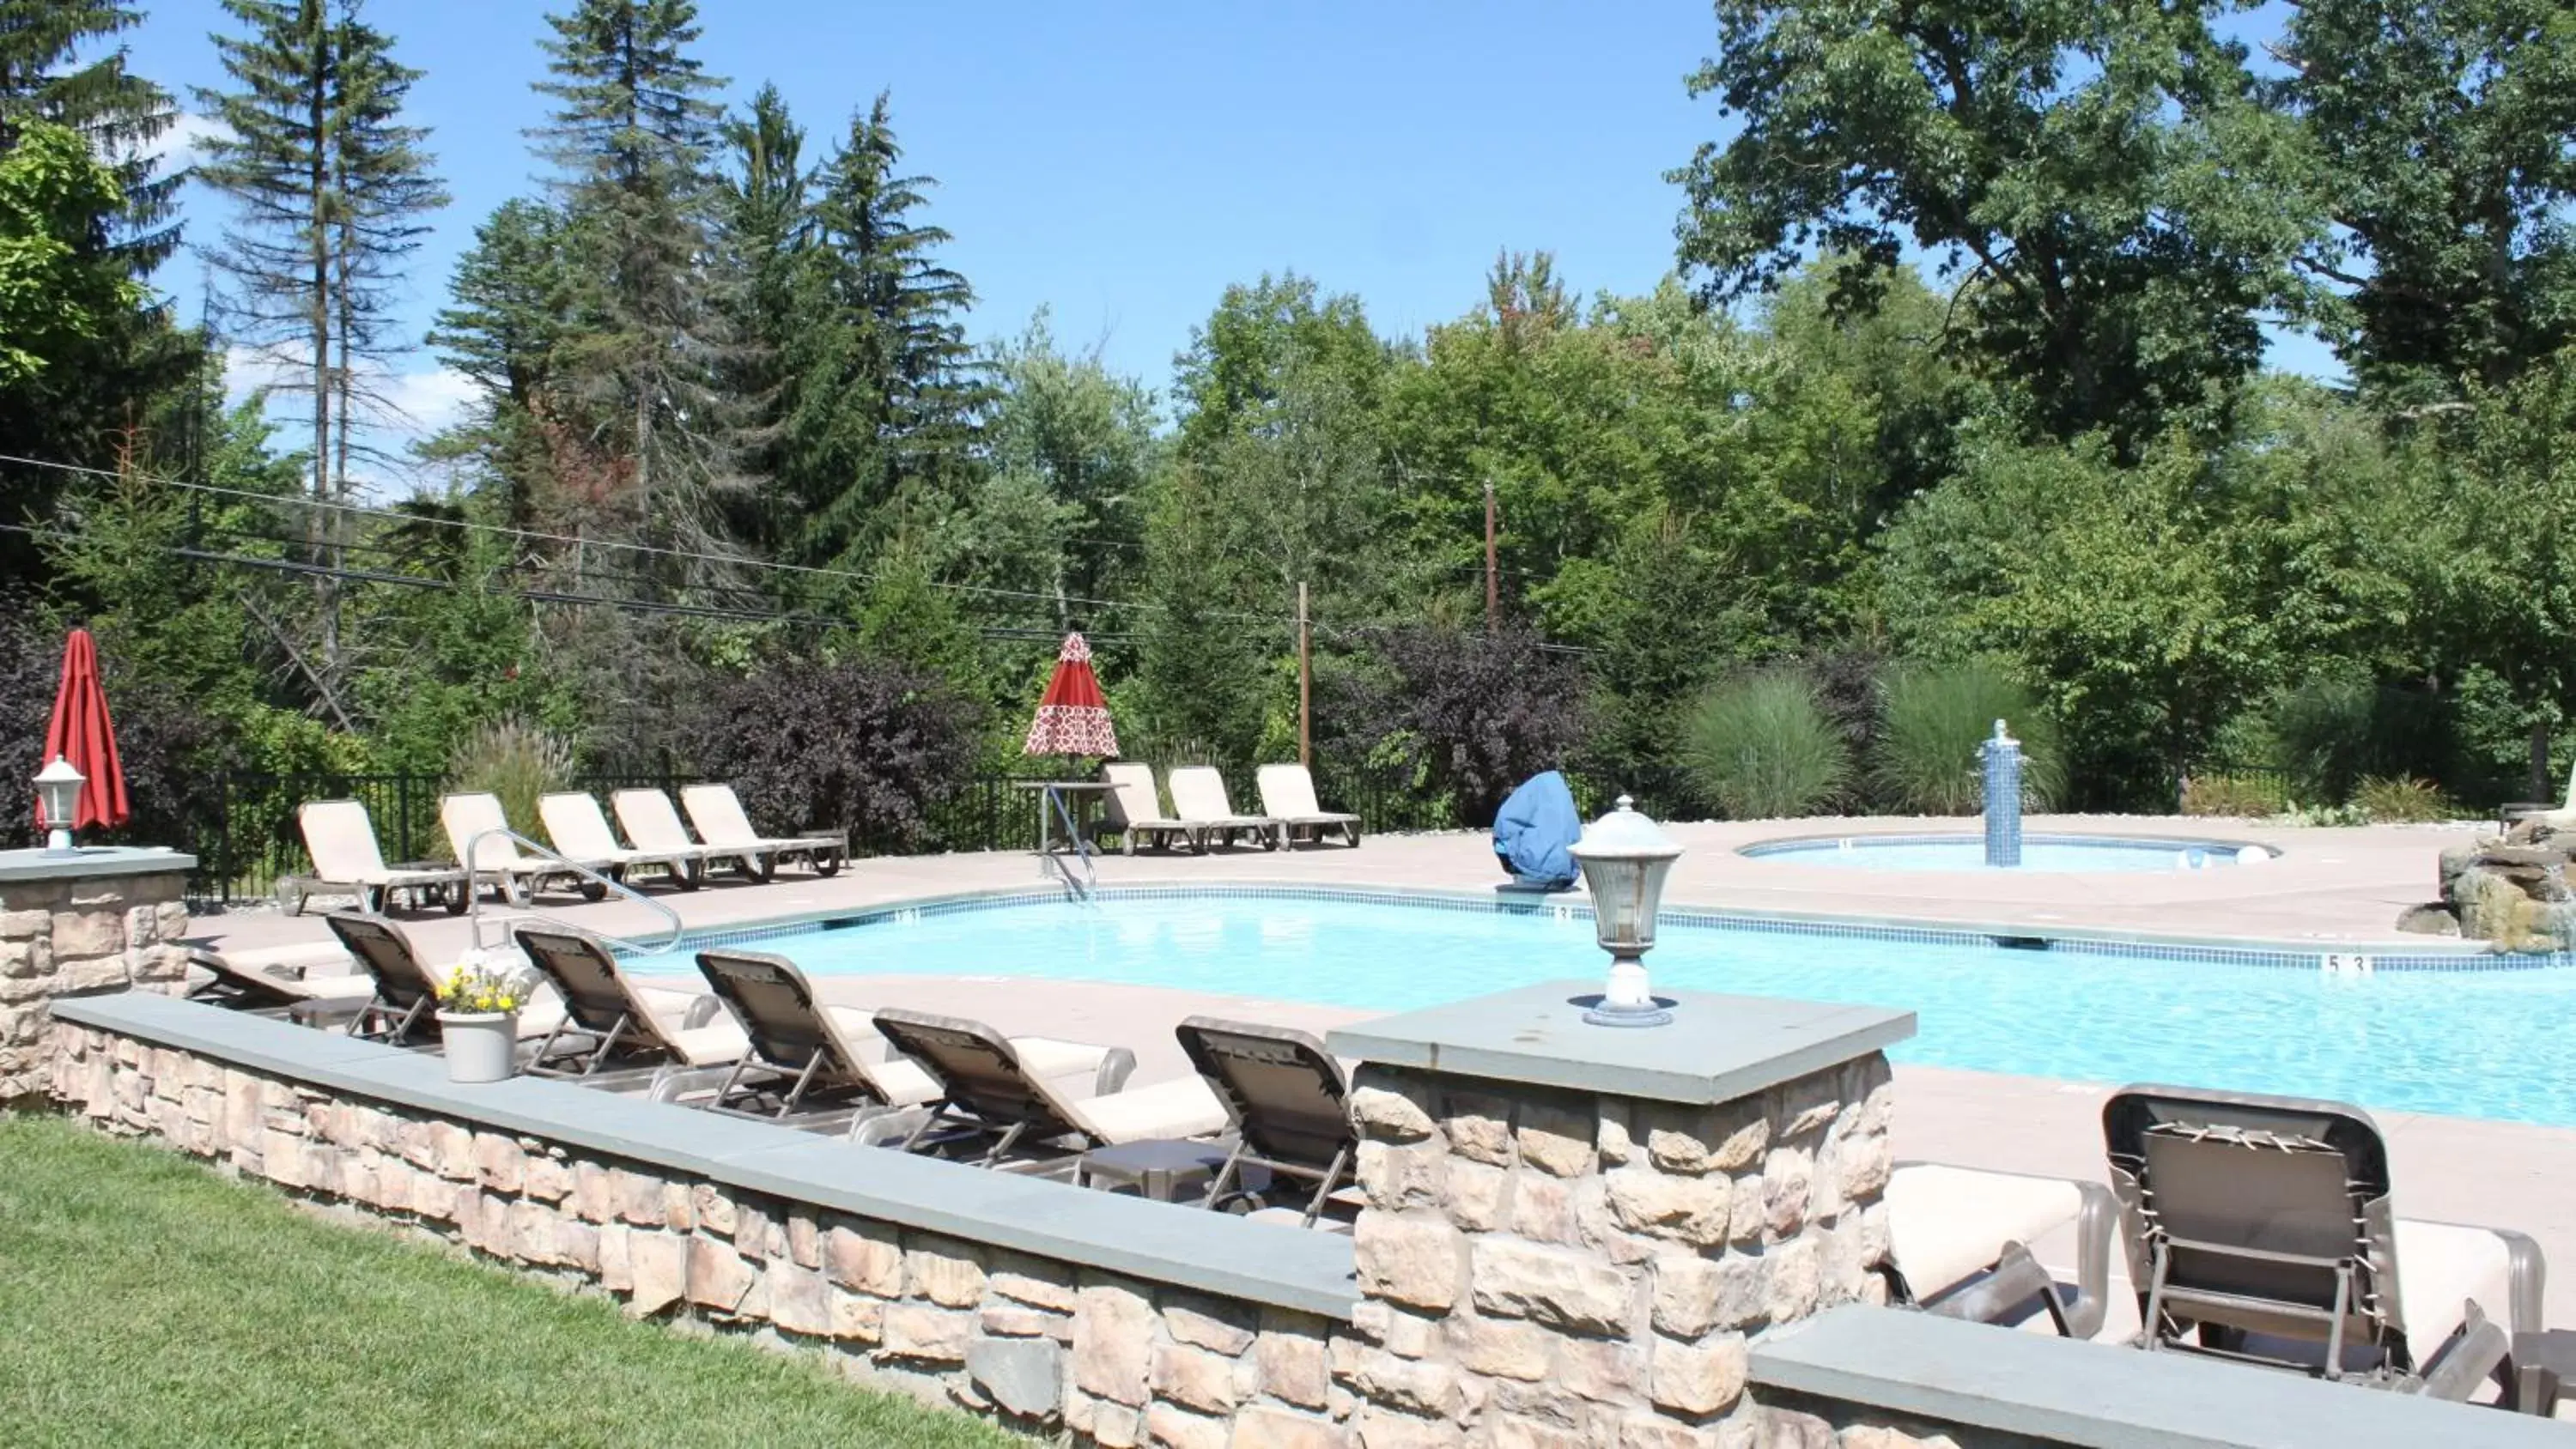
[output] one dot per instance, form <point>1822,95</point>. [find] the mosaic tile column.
<point>2003,798</point>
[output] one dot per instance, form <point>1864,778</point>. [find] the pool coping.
<point>2271,953</point>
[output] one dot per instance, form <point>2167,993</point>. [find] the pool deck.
<point>2335,889</point>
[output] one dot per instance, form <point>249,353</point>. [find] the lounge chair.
<point>1959,1245</point>
<point>579,829</point>
<point>1133,812</point>
<point>471,819</point>
<point>1288,792</point>
<point>717,813</point>
<point>649,820</point>
<point>403,1009</point>
<point>613,1025</point>
<point>2262,1228</point>
<point>342,843</point>
<point>1198,797</point>
<point>806,1056</point>
<point>989,1098</point>
<point>1285,1096</point>
<point>281,978</point>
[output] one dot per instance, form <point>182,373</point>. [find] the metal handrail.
<point>1088,887</point>
<point>474,874</point>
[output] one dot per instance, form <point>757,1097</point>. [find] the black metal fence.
<point>252,840</point>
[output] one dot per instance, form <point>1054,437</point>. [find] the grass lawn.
<point>146,1300</point>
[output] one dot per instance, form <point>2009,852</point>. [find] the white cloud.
<point>400,408</point>
<point>179,145</point>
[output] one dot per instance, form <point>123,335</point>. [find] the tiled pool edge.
<point>2297,956</point>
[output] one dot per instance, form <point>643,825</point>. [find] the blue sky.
<point>1120,163</point>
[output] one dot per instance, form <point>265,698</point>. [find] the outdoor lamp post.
<point>1625,858</point>
<point>58,788</point>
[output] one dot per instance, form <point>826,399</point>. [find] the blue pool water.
<point>2038,853</point>
<point>2470,1043</point>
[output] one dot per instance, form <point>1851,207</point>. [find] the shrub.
<point>2245,796</point>
<point>2401,800</point>
<point>859,744</point>
<point>1762,748</point>
<point>515,761</point>
<point>2336,729</point>
<point>1933,722</point>
<point>1486,711</point>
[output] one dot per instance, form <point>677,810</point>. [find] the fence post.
<point>224,835</point>
<point>402,813</point>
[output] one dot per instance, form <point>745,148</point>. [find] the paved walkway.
<point>2331,886</point>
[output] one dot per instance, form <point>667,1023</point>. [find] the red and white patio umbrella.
<point>82,733</point>
<point>1073,718</point>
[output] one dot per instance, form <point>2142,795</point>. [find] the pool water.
<point>2050,853</point>
<point>2470,1043</point>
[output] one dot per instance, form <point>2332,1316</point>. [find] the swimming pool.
<point>2045,853</point>
<point>2482,1043</point>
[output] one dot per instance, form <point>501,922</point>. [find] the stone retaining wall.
<point>1042,1344</point>
<point>65,937</point>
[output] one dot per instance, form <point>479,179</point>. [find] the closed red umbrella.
<point>1072,719</point>
<point>82,733</point>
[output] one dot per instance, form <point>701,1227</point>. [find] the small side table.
<point>1161,1169</point>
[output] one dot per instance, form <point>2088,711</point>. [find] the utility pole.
<point>1305,683</point>
<point>1493,594</point>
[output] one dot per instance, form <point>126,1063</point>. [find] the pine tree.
<point>509,302</point>
<point>765,244</point>
<point>630,139</point>
<point>329,187</point>
<point>888,391</point>
<point>58,64</point>
<point>121,113</point>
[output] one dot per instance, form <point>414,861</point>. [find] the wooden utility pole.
<point>1305,683</point>
<point>1493,594</point>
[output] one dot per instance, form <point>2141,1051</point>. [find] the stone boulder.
<point>2511,890</point>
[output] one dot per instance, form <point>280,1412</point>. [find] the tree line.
<point>1960,368</point>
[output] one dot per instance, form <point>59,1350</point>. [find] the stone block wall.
<point>67,937</point>
<point>1551,1268</point>
<point>1044,1345</point>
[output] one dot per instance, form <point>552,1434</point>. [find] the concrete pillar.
<point>1571,1230</point>
<point>105,918</point>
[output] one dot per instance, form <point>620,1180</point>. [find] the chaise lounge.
<point>996,1110</point>
<point>717,813</point>
<point>341,842</point>
<point>1288,792</point>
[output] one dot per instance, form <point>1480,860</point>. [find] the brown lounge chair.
<point>611,1025</point>
<point>807,1057</point>
<point>2262,1228</point>
<point>279,979</point>
<point>995,1108</point>
<point>403,1010</point>
<point>1286,1098</point>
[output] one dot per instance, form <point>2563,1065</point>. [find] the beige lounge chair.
<point>717,813</point>
<point>613,1025</point>
<point>1288,792</point>
<point>1959,1243</point>
<point>806,1056</point>
<point>579,829</point>
<point>2262,1228</point>
<point>1198,797</point>
<point>648,820</point>
<point>342,843</point>
<point>469,819</point>
<point>995,1109</point>
<point>1133,812</point>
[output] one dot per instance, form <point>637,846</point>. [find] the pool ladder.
<point>475,874</point>
<point>1085,890</point>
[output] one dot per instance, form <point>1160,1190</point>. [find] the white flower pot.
<point>481,1046</point>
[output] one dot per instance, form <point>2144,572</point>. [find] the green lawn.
<point>145,1300</point>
